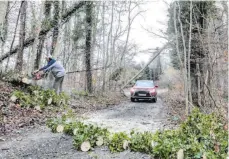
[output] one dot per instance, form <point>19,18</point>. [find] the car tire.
<point>132,99</point>
<point>154,100</point>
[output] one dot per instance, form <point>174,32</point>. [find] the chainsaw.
<point>38,75</point>
<point>34,77</point>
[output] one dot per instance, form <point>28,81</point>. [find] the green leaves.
<point>142,142</point>
<point>80,131</point>
<point>200,135</point>
<point>117,142</point>
<point>39,97</point>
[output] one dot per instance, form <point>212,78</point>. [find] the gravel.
<point>41,143</point>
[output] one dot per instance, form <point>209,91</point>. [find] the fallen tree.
<point>150,61</point>
<point>199,136</point>
<point>29,41</point>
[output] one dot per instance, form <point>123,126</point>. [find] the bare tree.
<point>89,7</point>
<point>19,62</point>
<point>185,60</point>
<point>56,28</point>
<point>4,24</point>
<point>45,24</point>
<point>189,54</point>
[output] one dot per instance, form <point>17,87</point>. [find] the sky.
<point>155,18</point>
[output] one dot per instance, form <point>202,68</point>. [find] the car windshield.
<point>144,84</point>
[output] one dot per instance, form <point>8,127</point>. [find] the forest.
<point>101,47</point>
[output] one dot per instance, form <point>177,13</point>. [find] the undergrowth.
<point>36,96</point>
<point>200,135</point>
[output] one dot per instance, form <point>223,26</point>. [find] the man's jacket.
<point>56,68</point>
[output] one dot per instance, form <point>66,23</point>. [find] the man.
<point>57,70</point>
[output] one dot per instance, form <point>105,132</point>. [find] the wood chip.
<point>75,131</point>
<point>26,80</point>
<point>99,141</point>
<point>125,144</point>
<point>38,108</point>
<point>85,146</point>
<point>180,154</point>
<point>204,156</point>
<point>49,101</point>
<point>13,98</point>
<point>60,128</point>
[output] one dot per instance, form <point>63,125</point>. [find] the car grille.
<point>142,92</point>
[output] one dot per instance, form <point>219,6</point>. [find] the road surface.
<point>40,143</point>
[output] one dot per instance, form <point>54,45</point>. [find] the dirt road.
<point>41,143</point>
<point>140,116</point>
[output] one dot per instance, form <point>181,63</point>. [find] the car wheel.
<point>154,100</point>
<point>132,99</point>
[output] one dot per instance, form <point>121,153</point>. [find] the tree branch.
<point>158,53</point>
<point>43,32</point>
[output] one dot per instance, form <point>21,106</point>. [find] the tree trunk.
<point>42,38</point>
<point>4,23</point>
<point>56,28</point>
<point>189,54</point>
<point>104,53</point>
<point>198,83</point>
<point>185,62</point>
<point>89,7</point>
<point>29,41</point>
<point>110,39</point>
<point>150,61</point>
<point>19,62</point>
<point>128,34</point>
<point>12,43</point>
<point>37,20</point>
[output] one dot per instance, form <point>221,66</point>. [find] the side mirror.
<point>156,86</point>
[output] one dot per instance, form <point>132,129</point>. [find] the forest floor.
<point>37,141</point>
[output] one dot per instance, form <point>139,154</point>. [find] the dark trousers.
<point>58,84</point>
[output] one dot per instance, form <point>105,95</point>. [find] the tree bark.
<point>19,62</point>
<point>104,52</point>
<point>56,28</point>
<point>89,7</point>
<point>15,31</point>
<point>109,38</point>
<point>189,54</point>
<point>4,23</point>
<point>42,38</point>
<point>185,62</point>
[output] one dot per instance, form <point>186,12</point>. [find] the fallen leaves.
<point>12,116</point>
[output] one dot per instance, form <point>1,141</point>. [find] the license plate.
<point>141,94</point>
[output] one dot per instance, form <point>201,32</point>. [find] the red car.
<point>144,89</point>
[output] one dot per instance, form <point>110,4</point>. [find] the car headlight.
<point>152,91</point>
